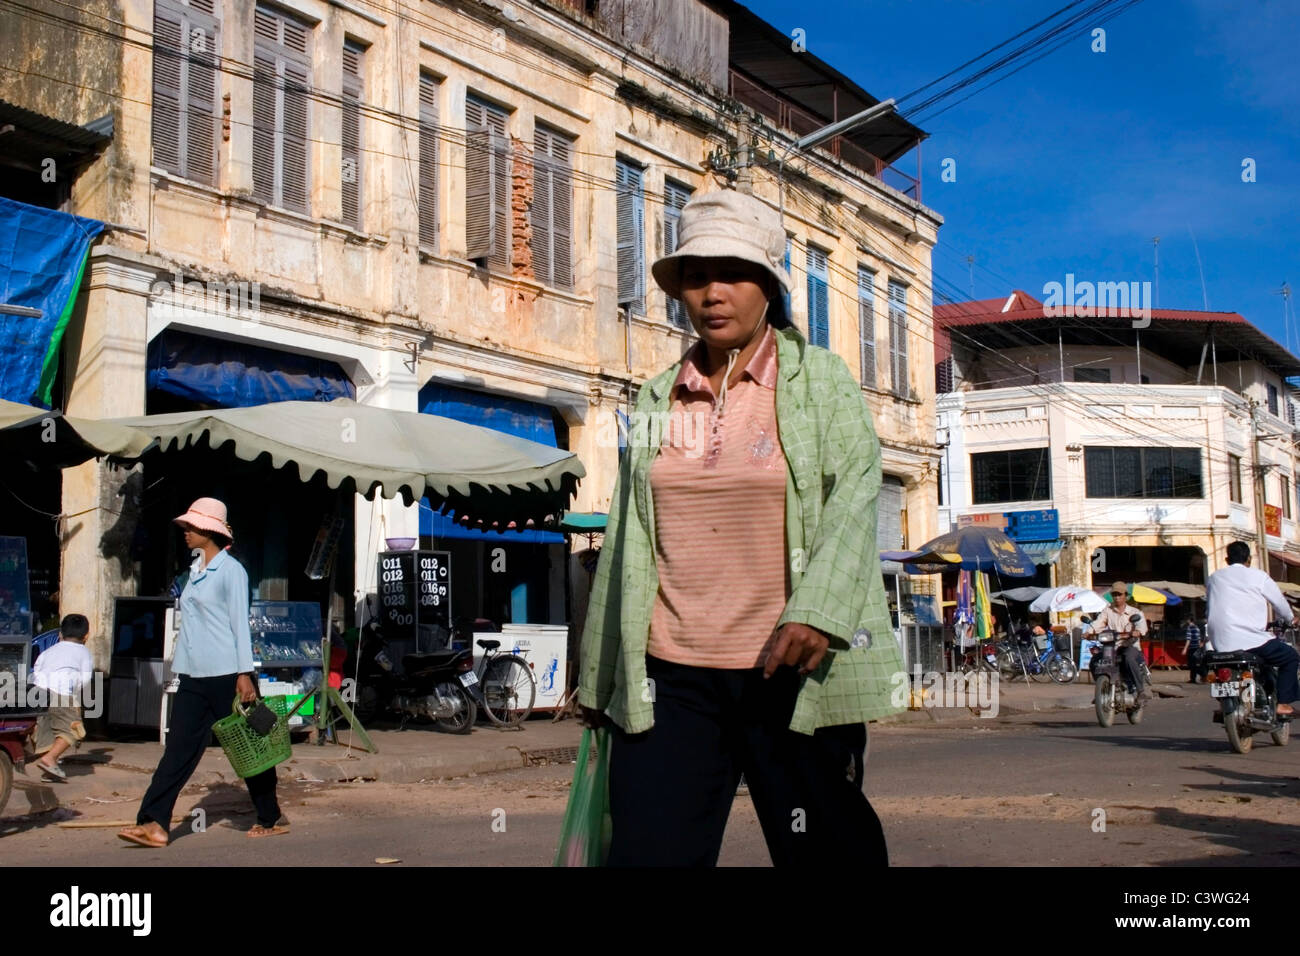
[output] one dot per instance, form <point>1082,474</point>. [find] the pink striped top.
<point>718,484</point>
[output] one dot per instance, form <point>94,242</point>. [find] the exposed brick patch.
<point>521,203</point>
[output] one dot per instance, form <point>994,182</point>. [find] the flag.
<point>983,612</point>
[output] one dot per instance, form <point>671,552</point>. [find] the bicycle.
<point>508,685</point>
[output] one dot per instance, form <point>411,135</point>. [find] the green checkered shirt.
<point>832,480</point>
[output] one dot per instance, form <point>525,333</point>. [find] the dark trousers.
<point>671,787</point>
<point>1284,659</point>
<point>200,702</point>
<point>1132,661</point>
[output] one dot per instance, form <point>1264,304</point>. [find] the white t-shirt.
<point>64,668</point>
<point>1237,599</point>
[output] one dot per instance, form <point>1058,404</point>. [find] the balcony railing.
<point>787,115</point>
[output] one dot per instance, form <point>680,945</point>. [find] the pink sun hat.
<point>207,514</point>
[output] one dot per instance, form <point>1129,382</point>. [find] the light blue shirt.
<point>214,638</point>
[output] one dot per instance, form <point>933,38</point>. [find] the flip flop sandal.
<point>260,831</point>
<point>54,773</point>
<point>140,836</point>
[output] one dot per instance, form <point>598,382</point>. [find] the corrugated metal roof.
<point>1169,325</point>
<point>35,135</point>
<point>762,52</point>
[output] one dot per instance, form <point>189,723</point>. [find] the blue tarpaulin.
<point>42,255</point>
<point>510,415</point>
<point>236,375</point>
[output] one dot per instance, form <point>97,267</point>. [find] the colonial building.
<point>448,208</point>
<point>1155,439</point>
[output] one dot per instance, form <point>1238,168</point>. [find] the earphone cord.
<point>732,355</point>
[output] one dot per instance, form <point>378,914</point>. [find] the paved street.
<point>1018,790</point>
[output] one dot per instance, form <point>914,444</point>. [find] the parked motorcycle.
<point>1246,688</point>
<point>438,685</point>
<point>1113,692</point>
<point>15,748</point>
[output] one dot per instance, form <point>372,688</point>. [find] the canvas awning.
<point>501,480</point>
<point>1286,558</point>
<point>1178,588</point>
<point>47,439</point>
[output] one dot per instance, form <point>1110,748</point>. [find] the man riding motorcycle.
<point>1117,618</point>
<point>1238,598</point>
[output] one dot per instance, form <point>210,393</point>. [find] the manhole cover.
<point>537,758</point>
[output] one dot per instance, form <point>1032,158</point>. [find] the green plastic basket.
<point>250,753</point>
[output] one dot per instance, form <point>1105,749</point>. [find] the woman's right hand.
<point>595,719</point>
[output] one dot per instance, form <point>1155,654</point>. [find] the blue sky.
<point>1076,162</point>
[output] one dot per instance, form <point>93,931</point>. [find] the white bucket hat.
<point>725,224</point>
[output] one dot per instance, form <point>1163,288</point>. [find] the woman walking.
<point>738,621</point>
<point>214,660</point>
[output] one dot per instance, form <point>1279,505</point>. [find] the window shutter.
<point>542,206</point>
<point>631,234</point>
<point>281,85</point>
<point>898,338</point>
<point>867,326</point>
<point>265,133</point>
<point>818,299</point>
<point>479,195</point>
<point>788,314</point>
<point>428,161</point>
<point>167,30</point>
<point>201,101</point>
<point>487,188</point>
<point>675,197</point>
<point>552,213</point>
<point>295,138</point>
<point>350,173</point>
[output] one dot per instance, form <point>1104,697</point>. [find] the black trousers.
<point>671,787</point>
<point>1283,657</point>
<point>200,702</point>
<point>1132,660</point>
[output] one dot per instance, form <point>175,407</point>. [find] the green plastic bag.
<point>584,837</point>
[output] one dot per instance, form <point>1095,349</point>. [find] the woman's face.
<point>724,298</point>
<point>195,539</point>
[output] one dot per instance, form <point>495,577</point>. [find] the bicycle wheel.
<point>509,690</point>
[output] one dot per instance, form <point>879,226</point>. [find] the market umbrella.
<point>980,548</point>
<point>1141,594</point>
<point>1023,595</point>
<point>1069,598</point>
<point>501,480</point>
<point>1178,588</point>
<point>49,439</point>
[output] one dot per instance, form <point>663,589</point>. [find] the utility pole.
<point>1257,471</point>
<point>1155,241</point>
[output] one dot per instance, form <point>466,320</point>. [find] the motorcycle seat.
<point>1231,657</point>
<point>489,645</point>
<point>412,663</point>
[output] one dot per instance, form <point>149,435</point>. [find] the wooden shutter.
<point>294,153</point>
<point>818,299</point>
<point>428,161</point>
<point>631,236</point>
<point>487,184</point>
<point>562,211</point>
<point>265,131</point>
<point>867,326</point>
<point>167,65</point>
<point>786,296</point>
<point>675,197</point>
<point>543,207</point>
<point>185,63</point>
<point>552,212</point>
<point>350,172</point>
<point>201,99</point>
<point>281,88</point>
<point>898,338</point>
